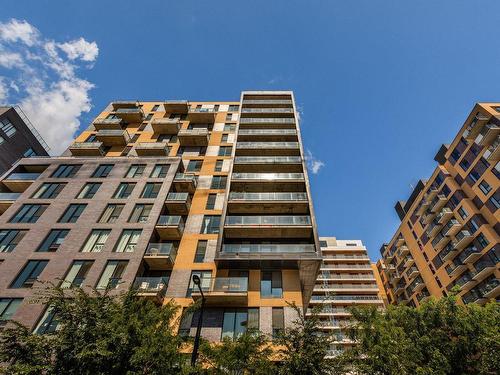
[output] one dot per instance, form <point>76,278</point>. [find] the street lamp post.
<point>194,356</point>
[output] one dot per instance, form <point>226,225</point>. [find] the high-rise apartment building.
<point>153,193</point>
<point>347,278</point>
<point>18,138</point>
<point>449,231</point>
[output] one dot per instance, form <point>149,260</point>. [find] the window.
<point>111,213</point>
<point>112,274</point>
<point>151,190</point>
<point>77,273</point>
<point>224,138</point>
<point>194,165</point>
<point>463,213</point>
<point>95,242</point>
<point>72,213</point>
<point>167,138</point>
<point>53,240</point>
<point>210,224</point>
<point>485,187</point>
<point>229,127</point>
<point>155,108</point>
<point>2,140</point>
<point>218,165</point>
<point>135,170</point>
<point>128,241</point>
<point>229,117</point>
<point>91,138</point>
<point>9,239</point>
<point>29,213</point>
<point>237,321</point>
<point>160,171</point>
<point>48,323</point>
<point>8,307</point>
<point>29,274</point>
<point>89,189</point>
<point>66,170</point>
<point>481,239</point>
<point>149,117</point>
<point>48,191</point>
<point>233,108</point>
<point>140,214</point>
<point>218,182</point>
<point>102,170</point>
<point>211,201</point>
<point>29,153</point>
<point>216,107</point>
<point>494,201</point>
<point>205,277</point>
<point>7,127</point>
<point>201,248</point>
<point>278,321</point>
<point>270,284</point>
<point>124,190</point>
<point>225,150</point>
<point>186,321</point>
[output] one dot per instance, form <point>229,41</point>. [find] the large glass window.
<point>29,274</point>
<point>48,323</point>
<point>270,284</point>
<point>112,274</point>
<point>160,171</point>
<point>66,170</point>
<point>140,214</point>
<point>218,165</point>
<point>151,190</point>
<point>89,189</point>
<point>7,127</point>
<point>128,241</point>
<point>102,170</point>
<point>135,170</point>
<point>53,240</point>
<point>8,307</point>
<point>211,201</point>
<point>9,239</point>
<point>48,191</point>
<point>29,213</point>
<point>210,224</point>
<point>124,190</point>
<point>218,182</point>
<point>96,241</point>
<point>201,249</point>
<point>225,150</point>
<point>278,321</point>
<point>237,321</point>
<point>111,213</point>
<point>72,213</point>
<point>194,165</point>
<point>77,273</point>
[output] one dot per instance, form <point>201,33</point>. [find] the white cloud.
<point>15,30</point>
<point>45,81</point>
<point>80,48</point>
<point>313,164</point>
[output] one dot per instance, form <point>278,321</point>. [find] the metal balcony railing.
<point>266,145</point>
<point>268,220</point>
<point>265,120</point>
<point>23,176</point>
<point>268,248</point>
<point>268,176</point>
<point>266,110</point>
<point>267,132</point>
<point>267,101</point>
<point>267,160</point>
<point>273,196</point>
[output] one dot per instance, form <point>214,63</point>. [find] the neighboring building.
<point>152,193</point>
<point>18,138</point>
<point>449,231</point>
<point>347,278</point>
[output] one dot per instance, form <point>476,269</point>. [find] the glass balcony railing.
<point>9,196</point>
<point>229,285</point>
<point>266,145</point>
<point>264,120</point>
<point>268,176</point>
<point>267,110</point>
<point>267,132</point>
<point>346,256</point>
<point>23,176</point>
<point>170,220</point>
<point>202,110</point>
<point>267,101</point>
<point>128,110</point>
<point>268,248</point>
<point>347,267</point>
<point>327,275</point>
<point>346,298</point>
<point>182,177</point>
<point>267,160</point>
<point>151,284</point>
<point>274,196</point>
<point>178,197</point>
<point>330,310</point>
<point>161,250</point>
<point>346,286</point>
<point>268,220</point>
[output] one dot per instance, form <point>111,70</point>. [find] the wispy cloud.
<point>313,164</point>
<point>41,74</point>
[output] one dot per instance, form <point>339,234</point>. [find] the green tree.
<point>437,338</point>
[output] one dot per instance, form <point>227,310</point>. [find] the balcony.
<point>20,181</point>
<point>268,202</point>
<point>267,148</point>
<point>462,239</point>
<point>475,126</point>
<point>399,241</point>
<point>487,134</point>
<point>151,149</point>
<point>87,149</point>
<point>6,200</point>
<point>170,227</point>
<point>202,115</point>
<point>108,124</point>
<point>278,182</point>
<point>409,262</point>
<point>166,125</point>
<point>268,226</point>
<point>449,253</point>
<point>267,164</point>
<point>282,103</point>
<point>422,207</point>
<point>185,182</point>
<point>390,269</point>
<point>264,122</point>
<point>130,114</point>
<point>267,248</point>
<point>456,269</point>
<point>470,255</point>
<point>113,137</point>
<point>437,203</point>
<point>483,269</point>
<point>176,106</point>
<point>492,154</point>
<point>178,203</point>
<point>267,135</point>
<point>431,194</point>
<point>160,256</point>
<point>413,272</point>
<point>403,251</point>
<point>344,257</point>
<point>451,227</point>
<point>225,291</point>
<point>153,288</point>
<point>418,287</point>
<point>254,112</point>
<point>491,289</point>
<point>433,229</point>
<point>444,215</point>
<point>193,137</point>
<point>439,241</point>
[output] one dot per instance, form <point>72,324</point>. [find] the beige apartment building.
<point>153,193</point>
<point>347,278</point>
<point>449,232</point>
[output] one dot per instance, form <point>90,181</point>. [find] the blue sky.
<point>380,84</point>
